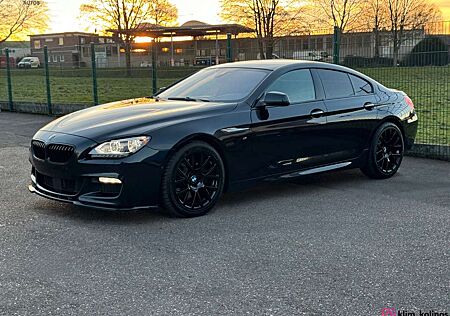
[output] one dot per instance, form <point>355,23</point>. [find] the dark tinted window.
<point>337,84</point>
<point>361,86</point>
<point>298,85</point>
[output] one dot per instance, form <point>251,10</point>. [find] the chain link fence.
<point>67,78</point>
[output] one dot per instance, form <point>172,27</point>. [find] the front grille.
<point>58,185</point>
<point>38,149</point>
<point>59,153</point>
<point>54,152</point>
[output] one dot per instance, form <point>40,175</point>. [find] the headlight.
<point>119,148</point>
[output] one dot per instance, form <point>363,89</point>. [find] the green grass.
<point>429,87</point>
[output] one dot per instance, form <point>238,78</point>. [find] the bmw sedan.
<point>224,128</point>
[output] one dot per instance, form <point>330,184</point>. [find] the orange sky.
<point>64,13</point>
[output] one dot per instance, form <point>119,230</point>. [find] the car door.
<point>293,137</point>
<point>351,117</point>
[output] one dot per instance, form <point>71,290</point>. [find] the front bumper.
<point>77,180</point>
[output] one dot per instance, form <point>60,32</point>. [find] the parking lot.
<point>330,244</point>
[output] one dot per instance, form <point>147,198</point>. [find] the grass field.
<point>429,87</point>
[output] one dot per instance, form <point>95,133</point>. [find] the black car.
<point>225,127</point>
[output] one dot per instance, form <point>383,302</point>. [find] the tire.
<point>193,180</point>
<point>385,152</point>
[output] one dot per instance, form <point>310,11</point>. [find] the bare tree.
<point>126,15</point>
<point>269,18</point>
<point>343,14</point>
<point>377,18</point>
<point>408,15</point>
<point>162,12</point>
<point>18,18</point>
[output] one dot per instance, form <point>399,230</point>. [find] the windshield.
<point>26,59</point>
<point>216,84</point>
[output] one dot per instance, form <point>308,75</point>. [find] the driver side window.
<point>298,85</point>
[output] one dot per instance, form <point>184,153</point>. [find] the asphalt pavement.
<point>329,244</point>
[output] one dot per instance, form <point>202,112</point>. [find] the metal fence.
<point>73,77</point>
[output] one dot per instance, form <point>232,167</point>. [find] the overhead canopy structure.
<point>191,28</point>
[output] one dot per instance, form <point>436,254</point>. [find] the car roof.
<point>269,64</point>
<point>275,64</point>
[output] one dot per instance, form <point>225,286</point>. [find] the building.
<point>73,49</point>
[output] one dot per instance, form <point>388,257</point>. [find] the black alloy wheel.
<point>386,152</point>
<point>193,180</point>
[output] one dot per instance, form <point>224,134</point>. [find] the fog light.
<point>106,180</point>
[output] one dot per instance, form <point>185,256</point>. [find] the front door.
<point>293,137</point>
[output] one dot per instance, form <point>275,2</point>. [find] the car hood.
<point>132,117</point>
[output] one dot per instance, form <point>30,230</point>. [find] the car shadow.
<point>304,185</point>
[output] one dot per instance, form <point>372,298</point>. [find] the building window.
<point>61,41</point>
<point>37,44</point>
<point>55,58</point>
<point>61,58</point>
<point>179,50</point>
<point>165,49</point>
<point>49,39</point>
<point>86,52</point>
<point>82,40</point>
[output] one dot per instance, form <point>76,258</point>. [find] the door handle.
<point>369,106</point>
<point>317,113</point>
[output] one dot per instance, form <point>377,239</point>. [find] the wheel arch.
<point>395,120</point>
<point>206,138</point>
<point>390,119</point>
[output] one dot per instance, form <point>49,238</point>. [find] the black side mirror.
<point>275,98</point>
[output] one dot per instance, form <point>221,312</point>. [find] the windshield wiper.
<point>188,99</point>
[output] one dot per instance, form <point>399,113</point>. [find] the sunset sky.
<point>64,13</point>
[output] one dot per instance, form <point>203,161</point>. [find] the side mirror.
<point>275,98</point>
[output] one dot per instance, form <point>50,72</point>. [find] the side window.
<point>361,86</point>
<point>298,85</point>
<point>336,84</point>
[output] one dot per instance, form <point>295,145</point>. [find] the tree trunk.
<point>128,57</point>
<point>377,43</point>
<point>269,47</point>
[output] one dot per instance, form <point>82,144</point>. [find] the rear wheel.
<point>193,180</point>
<point>385,152</point>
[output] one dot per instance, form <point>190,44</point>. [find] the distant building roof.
<point>190,28</point>
<point>67,34</point>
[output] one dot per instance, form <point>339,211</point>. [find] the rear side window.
<point>336,84</point>
<point>361,86</point>
<point>298,85</point>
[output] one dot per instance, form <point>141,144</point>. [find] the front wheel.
<point>385,152</point>
<point>193,180</point>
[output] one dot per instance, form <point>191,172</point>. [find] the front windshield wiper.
<point>188,99</point>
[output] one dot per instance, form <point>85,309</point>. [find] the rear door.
<point>351,117</point>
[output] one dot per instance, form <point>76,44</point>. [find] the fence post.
<point>8,79</point>
<point>229,51</point>
<point>154,73</point>
<point>336,44</point>
<point>94,74</point>
<point>47,81</point>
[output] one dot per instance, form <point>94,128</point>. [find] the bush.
<point>431,51</point>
